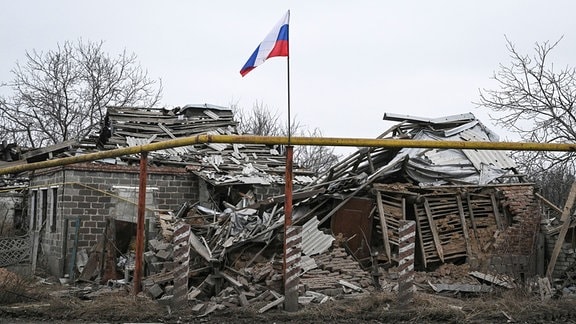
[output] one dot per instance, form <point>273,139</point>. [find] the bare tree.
<point>262,121</point>
<point>259,121</point>
<point>316,158</point>
<point>62,94</point>
<point>536,102</point>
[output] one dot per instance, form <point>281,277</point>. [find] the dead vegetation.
<point>48,300</point>
<point>15,288</point>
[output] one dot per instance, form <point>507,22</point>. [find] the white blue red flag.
<point>275,44</point>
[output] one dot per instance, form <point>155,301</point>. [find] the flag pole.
<point>288,91</point>
<point>291,268</point>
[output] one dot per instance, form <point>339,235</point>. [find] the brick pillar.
<point>181,241</point>
<point>407,234</point>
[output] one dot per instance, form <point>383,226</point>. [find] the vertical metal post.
<point>139,262</point>
<point>407,237</point>
<point>181,242</point>
<point>291,299</point>
<point>292,257</point>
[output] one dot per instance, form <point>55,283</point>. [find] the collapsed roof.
<point>427,166</point>
<point>217,163</point>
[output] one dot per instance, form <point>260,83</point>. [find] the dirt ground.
<point>34,300</point>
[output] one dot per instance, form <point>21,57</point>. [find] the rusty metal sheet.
<point>354,221</point>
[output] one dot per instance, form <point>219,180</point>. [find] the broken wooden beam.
<point>434,230</point>
<point>384,225</point>
<point>350,285</point>
<point>272,304</point>
<point>565,218</point>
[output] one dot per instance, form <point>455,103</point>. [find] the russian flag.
<point>275,44</point>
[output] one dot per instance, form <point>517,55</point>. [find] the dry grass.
<point>15,288</point>
<point>500,307</point>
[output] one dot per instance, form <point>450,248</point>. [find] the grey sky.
<point>350,61</point>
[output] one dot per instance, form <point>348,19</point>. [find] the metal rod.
<point>139,262</point>
<point>287,225</point>
<point>283,140</point>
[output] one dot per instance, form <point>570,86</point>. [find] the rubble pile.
<point>236,261</point>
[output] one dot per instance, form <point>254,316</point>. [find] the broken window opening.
<point>44,208</point>
<point>53,209</point>
<point>33,209</point>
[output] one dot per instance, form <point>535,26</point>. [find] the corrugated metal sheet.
<point>314,241</point>
<point>447,119</point>
<point>498,159</point>
<point>204,106</point>
<point>441,166</point>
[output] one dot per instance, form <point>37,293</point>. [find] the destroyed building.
<point>471,208</point>
<point>68,205</point>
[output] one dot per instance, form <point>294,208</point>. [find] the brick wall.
<point>515,246</point>
<point>85,193</point>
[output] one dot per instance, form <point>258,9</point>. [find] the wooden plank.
<point>420,239</point>
<point>403,208</point>
<point>350,285</point>
<point>471,212</point>
<point>565,226</point>
<point>49,151</point>
<point>384,226</point>
<point>499,220</point>
<point>166,130</point>
<point>464,225</point>
<point>235,283</point>
<point>549,203</point>
<point>434,230</point>
<point>272,304</point>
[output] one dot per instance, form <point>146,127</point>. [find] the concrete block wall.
<point>516,266</point>
<point>86,194</point>
<point>566,258</point>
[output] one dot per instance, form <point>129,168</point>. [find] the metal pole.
<point>406,246</point>
<point>283,140</point>
<point>290,292</point>
<point>139,263</point>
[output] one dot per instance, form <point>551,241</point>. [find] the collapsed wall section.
<point>515,246</point>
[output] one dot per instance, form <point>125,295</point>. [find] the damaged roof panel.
<point>431,166</point>
<point>217,163</point>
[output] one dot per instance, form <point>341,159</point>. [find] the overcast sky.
<point>350,61</point>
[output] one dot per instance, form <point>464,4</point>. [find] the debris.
<point>349,285</point>
<point>510,319</point>
<point>460,288</point>
<point>493,279</point>
<point>544,288</point>
<point>274,303</point>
